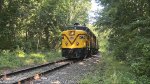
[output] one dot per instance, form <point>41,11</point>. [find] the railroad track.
<point>33,73</point>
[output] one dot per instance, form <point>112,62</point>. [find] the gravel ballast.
<point>71,74</point>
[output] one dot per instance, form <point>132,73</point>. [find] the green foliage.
<point>110,71</point>
<point>18,58</point>
<point>36,25</point>
<point>129,22</point>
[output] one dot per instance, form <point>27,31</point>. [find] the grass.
<point>18,58</point>
<point>111,71</point>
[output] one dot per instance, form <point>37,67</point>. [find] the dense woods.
<point>30,30</point>
<point>129,40</point>
<point>33,25</point>
<point>36,25</point>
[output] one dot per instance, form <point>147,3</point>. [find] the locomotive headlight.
<point>82,36</point>
<point>84,43</point>
<point>77,43</point>
<point>72,33</point>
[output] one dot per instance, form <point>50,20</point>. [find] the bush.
<point>131,45</point>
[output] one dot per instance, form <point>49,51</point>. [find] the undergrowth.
<point>110,70</point>
<point>18,58</point>
<point>113,72</point>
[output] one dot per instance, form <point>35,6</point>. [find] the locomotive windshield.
<point>80,28</point>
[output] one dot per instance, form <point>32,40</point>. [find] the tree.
<point>37,24</point>
<point>129,37</point>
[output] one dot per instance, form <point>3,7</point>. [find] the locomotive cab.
<point>74,43</point>
<point>77,41</point>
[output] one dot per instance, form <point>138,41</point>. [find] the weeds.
<point>113,72</point>
<point>18,58</point>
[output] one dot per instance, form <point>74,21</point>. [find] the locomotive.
<point>78,42</point>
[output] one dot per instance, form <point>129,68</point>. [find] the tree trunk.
<point>27,34</point>
<point>1,4</point>
<point>46,30</point>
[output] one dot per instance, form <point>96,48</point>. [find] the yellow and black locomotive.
<point>78,42</point>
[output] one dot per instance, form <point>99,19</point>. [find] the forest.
<point>123,28</point>
<point>34,25</point>
<point>127,25</point>
<point>30,30</point>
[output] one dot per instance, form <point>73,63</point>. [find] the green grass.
<point>16,59</point>
<point>111,71</point>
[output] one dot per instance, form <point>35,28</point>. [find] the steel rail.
<point>30,69</point>
<point>44,72</point>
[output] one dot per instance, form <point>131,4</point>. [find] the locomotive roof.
<point>81,28</point>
